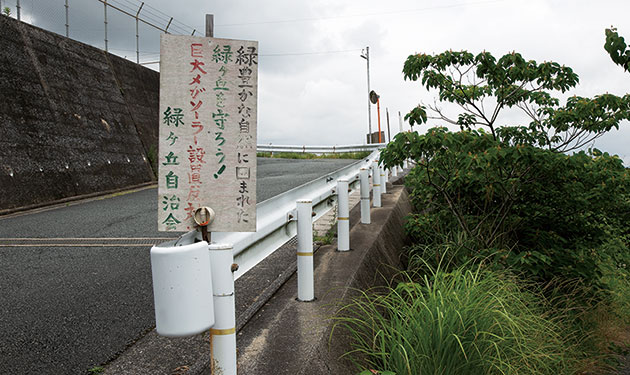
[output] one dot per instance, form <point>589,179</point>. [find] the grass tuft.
<point>458,322</point>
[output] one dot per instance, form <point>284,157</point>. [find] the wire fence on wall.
<point>127,28</point>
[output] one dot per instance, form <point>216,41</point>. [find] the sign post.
<point>207,160</point>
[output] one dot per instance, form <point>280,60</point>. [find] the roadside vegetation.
<point>306,155</point>
<point>521,232</point>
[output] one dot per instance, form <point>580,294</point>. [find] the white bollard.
<point>376,183</point>
<point>343,216</point>
<point>383,180</point>
<point>395,172</point>
<point>405,165</point>
<point>306,281</point>
<point>365,195</point>
<point>223,333</point>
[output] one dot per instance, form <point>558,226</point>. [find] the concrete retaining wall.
<point>74,120</point>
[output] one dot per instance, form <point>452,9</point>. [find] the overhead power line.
<point>309,53</point>
<point>382,13</point>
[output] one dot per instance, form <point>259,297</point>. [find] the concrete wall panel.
<point>74,120</point>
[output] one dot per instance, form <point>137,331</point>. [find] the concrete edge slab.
<point>289,337</point>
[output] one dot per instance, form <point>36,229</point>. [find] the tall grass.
<point>459,322</point>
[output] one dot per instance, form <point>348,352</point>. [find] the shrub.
<point>533,210</point>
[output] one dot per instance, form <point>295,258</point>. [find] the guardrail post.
<point>306,281</point>
<point>365,196</point>
<point>383,179</point>
<point>343,216</point>
<point>223,333</point>
<point>376,183</point>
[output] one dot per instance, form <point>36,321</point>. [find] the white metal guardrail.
<point>275,217</point>
<point>318,149</point>
<point>233,254</point>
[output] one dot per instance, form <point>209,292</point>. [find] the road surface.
<point>75,285</point>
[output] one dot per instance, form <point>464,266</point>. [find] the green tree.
<point>510,191</point>
<point>483,87</point>
<point>616,47</point>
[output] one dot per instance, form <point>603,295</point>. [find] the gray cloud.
<point>321,98</point>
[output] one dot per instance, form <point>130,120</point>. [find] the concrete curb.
<point>84,197</point>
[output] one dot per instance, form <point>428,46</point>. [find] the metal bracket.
<point>203,216</point>
<point>291,216</point>
<point>330,202</point>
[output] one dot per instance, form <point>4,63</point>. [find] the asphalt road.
<point>66,304</point>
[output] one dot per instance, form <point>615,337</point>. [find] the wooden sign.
<point>207,144</point>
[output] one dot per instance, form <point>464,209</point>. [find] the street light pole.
<point>366,56</point>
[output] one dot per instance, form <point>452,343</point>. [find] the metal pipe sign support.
<point>306,279</point>
<point>343,216</point>
<point>223,333</point>
<point>378,113</point>
<point>365,195</point>
<point>367,58</point>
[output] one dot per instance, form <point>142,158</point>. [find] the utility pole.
<point>366,56</point>
<point>389,133</point>
<point>18,9</point>
<point>400,122</point>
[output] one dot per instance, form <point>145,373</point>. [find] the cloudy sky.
<point>312,80</point>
